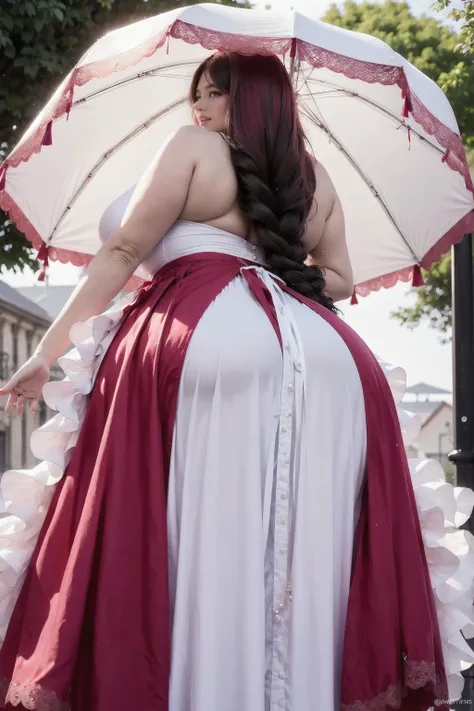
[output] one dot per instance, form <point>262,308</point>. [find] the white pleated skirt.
<point>266,474</point>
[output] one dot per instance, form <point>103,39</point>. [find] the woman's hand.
<point>27,383</point>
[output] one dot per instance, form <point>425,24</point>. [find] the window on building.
<point>15,346</point>
<point>3,452</point>
<point>24,440</point>
<point>4,369</point>
<point>29,344</point>
<point>42,412</point>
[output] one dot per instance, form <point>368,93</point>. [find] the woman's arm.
<point>157,203</point>
<point>332,255</point>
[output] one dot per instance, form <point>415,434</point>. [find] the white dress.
<point>266,466</point>
<point>266,472</point>
<point>267,463</point>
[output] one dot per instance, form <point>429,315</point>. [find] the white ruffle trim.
<point>442,509</point>
<point>25,495</point>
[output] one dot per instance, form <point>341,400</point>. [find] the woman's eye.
<point>214,93</point>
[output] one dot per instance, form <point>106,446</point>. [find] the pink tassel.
<point>446,156</point>
<point>3,176</point>
<point>293,48</point>
<point>69,102</point>
<point>43,255</point>
<point>407,108</point>
<point>405,125</point>
<point>48,135</point>
<point>417,276</point>
<point>354,298</point>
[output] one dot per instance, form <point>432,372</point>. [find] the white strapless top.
<point>184,237</point>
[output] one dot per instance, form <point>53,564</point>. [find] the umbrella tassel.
<point>354,300</point>
<point>43,255</point>
<point>407,107</point>
<point>417,279</point>
<point>405,125</point>
<point>69,102</point>
<point>446,156</point>
<point>48,135</point>
<point>293,48</point>
<point>3,177</point>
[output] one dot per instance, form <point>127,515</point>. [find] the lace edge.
<point>417,675</point>
<point>367,72</point>
<point>32,696</point>
<point>55,254</point>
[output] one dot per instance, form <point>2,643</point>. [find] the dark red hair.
<point>275,172</point>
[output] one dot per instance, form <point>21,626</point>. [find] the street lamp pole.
<point>463,368</point>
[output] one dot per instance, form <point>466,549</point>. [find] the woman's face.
<point>211,105</point>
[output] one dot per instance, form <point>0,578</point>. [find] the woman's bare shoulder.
<point>197,137</point>
<point>324,198</point>
<point>325,190</point>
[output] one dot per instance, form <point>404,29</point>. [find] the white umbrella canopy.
<point>385,132</point>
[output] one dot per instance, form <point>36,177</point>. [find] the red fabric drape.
<point>90,630</point>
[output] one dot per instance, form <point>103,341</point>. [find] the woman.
<point>199,551</point>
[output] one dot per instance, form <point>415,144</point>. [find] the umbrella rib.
<point>380,108</point>
<point>309,114</point>
<point>138,75</point>
<point>105,157</point>
<point>321,124</point>
<point>313,118</point>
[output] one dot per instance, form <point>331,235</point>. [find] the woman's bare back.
<point>192,178</point>
<point>212,196</point>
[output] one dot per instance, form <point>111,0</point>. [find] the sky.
<point>420,351</point>
<point>418,6</point>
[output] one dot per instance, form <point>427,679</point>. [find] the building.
<point>433,405</point>
<point>49,298</point>
<point>22,325</point>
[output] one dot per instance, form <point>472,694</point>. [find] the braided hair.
<point>275,174</point>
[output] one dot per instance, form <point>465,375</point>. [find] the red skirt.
<point>90,629</point>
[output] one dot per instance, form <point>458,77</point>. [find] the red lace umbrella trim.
<point>386,281</point>
<point>55,254</point>
<point>368,72</point>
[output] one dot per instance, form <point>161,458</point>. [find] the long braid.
<point>276,178</point>
<point>278,217</point>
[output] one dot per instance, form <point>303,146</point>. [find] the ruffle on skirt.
<point>25,495</point>
<point>442,509</point>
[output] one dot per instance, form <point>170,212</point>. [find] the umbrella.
<point>385,132</point>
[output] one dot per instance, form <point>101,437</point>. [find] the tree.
<point>465,16</point>
<point>425,42</point>
<point>40,41</point>
<point>434,49</point>
<point>433,301</point>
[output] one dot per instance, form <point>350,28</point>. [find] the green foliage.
<point>433,301</point>
<point>40,41</point>
<point>425,42</point>
<point>435,50</point>
<point>463,14</point>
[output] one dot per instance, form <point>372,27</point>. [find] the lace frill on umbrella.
<point>315,56</point>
